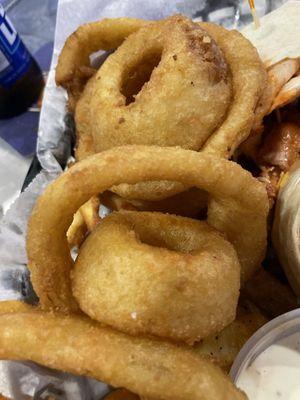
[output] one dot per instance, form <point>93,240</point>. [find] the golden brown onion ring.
<point>238,208</point>
<point>84,138</point>
<point>157,274</point>
<point>221,349</point>
<point>150,368</point>
<point>106,34</point>
<point>249,80</point>
<point>185,74</point>
<point>248,83</point>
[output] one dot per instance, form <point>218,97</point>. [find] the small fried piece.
<point>85,220</point>
<point>223,348</point>
<point>271,296</point>
<point>150,368</point>
<point>77,230</point>
<point>116,203</point>
<point>90,213</point>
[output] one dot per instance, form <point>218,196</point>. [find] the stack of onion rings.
<point>238,207</point>
<point>192,92</point>
<point>180,275</point>
<point>170,109</point>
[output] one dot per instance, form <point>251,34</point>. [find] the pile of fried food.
<point>166,289</point>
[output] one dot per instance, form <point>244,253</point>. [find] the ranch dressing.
<point>275,373</point>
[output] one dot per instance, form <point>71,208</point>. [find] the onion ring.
<point>15,306</point>
<point>150,368</point>
<point>185,62</point>
<point>249,79</point>
<point>238,208</point>
<point>221,349</point>
<point>106,34</point>
<point>158,257</point>
<point>118,123</point>
<point>84,139</point>
<point>192,74</point>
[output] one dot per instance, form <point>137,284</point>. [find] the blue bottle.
<point>21,80</point>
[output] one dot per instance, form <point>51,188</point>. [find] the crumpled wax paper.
<point>18,380</point>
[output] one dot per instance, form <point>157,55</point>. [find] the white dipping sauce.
<point>275,373</point>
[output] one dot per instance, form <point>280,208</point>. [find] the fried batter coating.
<point>147,367</point>
<point>157,274</point>
<point>84,221</point>
<point>156,94</point>
<point>187,73</point>
<point>223,348</point>
<point>249,79</point>
<point>170,83</point>
<point>74,60</point>
<point>238,208</point>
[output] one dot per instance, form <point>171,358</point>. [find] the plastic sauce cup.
<point>268,366</point>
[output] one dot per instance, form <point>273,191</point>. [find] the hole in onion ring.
<point>135,78</point>
<point>156,237</point>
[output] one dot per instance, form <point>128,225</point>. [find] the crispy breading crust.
<point>150,368</point>
<point>238,207</point>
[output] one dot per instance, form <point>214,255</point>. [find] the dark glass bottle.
<point>21,80</point>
